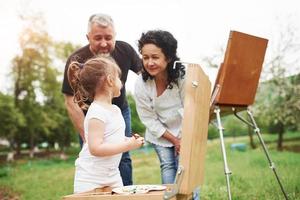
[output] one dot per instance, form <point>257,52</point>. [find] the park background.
<point>38,143</point>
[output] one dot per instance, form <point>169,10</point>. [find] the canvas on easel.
<point>238,76</point>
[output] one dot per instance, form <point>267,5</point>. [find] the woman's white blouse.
<point>160,113</point>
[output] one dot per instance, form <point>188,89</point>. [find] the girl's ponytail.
<point>80,95</point>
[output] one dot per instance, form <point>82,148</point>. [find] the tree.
<point>278,106</point>
<point>28,70</point>
<point>37,88</point>
<point>11,119</point>
<point>278,102</point>
<point>64,132</point>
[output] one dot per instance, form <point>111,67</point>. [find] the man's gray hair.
<point>100,19</point>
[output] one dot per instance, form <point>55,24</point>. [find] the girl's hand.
<point>135,142</point>
<point>136,135</point>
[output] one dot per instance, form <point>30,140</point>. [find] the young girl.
<point>98,80</point>
<point>159,98</point>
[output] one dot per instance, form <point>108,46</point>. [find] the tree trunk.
<point>280,137</point>
<point>17,90</point>
<point>18,148</point>
<point>31,146</point>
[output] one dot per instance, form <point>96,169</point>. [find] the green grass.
<point>39,179</point>
<point>145,167</point>
<point>251,178</point>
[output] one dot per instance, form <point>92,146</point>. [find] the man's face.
<point>101,39</point>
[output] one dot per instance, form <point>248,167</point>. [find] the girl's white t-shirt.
<point>93,171</point>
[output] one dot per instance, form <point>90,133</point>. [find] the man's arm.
<point>76,115</point>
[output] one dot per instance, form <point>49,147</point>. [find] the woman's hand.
<point>174,140</point>
<point>177,145</point>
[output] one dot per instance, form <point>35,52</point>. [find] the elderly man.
<point>101,37</point>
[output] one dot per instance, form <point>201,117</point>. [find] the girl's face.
<point>154,60</point>
<point>116,89</point>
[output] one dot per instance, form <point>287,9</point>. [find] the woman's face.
<point>154,60</point>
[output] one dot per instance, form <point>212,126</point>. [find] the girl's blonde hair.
<point>85,78</point>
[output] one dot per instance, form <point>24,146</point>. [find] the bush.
<point>213,132</point>
<point>136,125</point>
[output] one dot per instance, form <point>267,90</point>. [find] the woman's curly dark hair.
<point>168,44</point>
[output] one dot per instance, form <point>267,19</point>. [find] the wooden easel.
<point>190,173</point>
<point>235,88</point>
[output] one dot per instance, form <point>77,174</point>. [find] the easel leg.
<point>226,169</point>
<point>272,165</point>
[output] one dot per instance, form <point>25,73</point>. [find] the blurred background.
<point>38,144</point>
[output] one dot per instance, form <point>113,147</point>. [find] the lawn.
<point>251,179</point>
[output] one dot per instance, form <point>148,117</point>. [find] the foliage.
<point>136,124</point>
<point>29,70</point>
<point>37,87</point>
<point>232,127</point>
<point>278,105</point>
<point>212,132</point>
<point>64,49</point>
<point>278,99</point>
<point>11,118</point>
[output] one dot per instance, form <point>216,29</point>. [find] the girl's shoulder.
<point>101,112</point>
<point>98,108</point>
<point>116,108</point>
